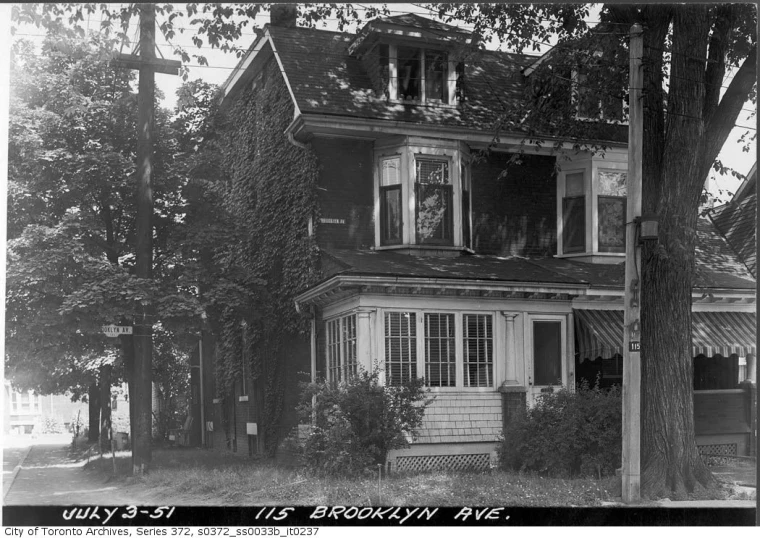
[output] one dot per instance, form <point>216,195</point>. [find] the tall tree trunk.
<point>93,402</point>
<point>105,407</point>
<point>670,462</point>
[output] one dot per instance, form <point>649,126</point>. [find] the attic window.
<point>422,76</point>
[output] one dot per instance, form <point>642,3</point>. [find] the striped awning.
<point>723,333</point>
<point>599,333</point>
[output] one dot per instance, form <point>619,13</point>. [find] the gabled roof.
<point>327,81</point>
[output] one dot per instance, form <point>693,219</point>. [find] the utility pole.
<point>148,64</point>
<point>632,323</point>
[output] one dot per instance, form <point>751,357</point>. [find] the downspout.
<point>203,400</point>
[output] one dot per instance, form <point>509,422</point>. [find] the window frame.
<point>346,366</point>
<point>409,150</point>
<point>448,221</point>
<point>591,169</point>
<point>450,77</point>
<point>530,347</point>
<point>420,314</point>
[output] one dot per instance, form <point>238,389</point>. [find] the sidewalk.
<point>49,476</point>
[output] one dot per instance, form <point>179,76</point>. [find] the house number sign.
<point>634,346</point>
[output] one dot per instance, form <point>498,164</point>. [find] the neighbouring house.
<point>443,257</point>
<point>26,411</point>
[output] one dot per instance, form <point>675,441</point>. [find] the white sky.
<point>221,64</point>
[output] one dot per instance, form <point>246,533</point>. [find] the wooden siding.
<point>514,207</point>
<point>456,417</point>
<point>345,193</point>
<point>721,412</point>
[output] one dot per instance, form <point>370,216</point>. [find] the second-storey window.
<point>391,207</point>
<point>422,75</point>
<point>611,203</point>
<point>434,195</point>
<point>574,214</point>
<point>400,347</point>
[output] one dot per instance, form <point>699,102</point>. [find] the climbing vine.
<point>271,195</point>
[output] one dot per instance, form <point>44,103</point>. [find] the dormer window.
<point>423,194</point>
<point>421,75</point>
<point>591,210</point>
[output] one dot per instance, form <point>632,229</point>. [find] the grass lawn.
<point>198,477</point>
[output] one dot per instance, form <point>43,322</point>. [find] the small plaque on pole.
<point>113,331</point>
<point>634,346</point>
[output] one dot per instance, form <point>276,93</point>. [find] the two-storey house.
<point>451,249</point>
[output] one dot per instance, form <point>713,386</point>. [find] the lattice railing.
<point>448,462</point>
<point>728,449</point>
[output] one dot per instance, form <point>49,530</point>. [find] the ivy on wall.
<point>271,195</point>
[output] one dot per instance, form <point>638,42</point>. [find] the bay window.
<point>422,194</point>
<point>591,210</point>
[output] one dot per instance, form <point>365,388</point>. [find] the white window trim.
<point>575,103</point>
<point>409,151</point>
<point>451,78</point>
<point>529,347</point>
<point>590,170</point>
<point>342,359</point>
<point>497,351</point>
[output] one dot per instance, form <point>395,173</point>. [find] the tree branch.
<point>716,58</point>
<point>722,121</point>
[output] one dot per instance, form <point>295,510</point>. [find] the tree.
<point>688,50</point>
<point>71,220</point>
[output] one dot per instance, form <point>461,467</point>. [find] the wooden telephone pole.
<point>631,323</point>
<point>148,64</point>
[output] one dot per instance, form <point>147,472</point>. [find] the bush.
<point>567,434</point>
<point>357,422</point>
<point>51,424</point>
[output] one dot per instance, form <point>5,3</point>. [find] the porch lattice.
<point>728,449</point>
<point>452,462</point>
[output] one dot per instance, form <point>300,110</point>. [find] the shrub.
<point>357,422</point>
<point>51,424</point>
<point>567,434</point>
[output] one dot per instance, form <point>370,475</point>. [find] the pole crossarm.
<point>159,65</point>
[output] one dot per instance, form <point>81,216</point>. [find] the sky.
<point>221,64</point>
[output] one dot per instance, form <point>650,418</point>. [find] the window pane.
<point>436,68</point>
<point>390,172</point>
<point>333,351</point>
<point>547,352</point>
<point>612,183</point>
<point>434,195</point>
<point>349,345</point>
<point>440,357</point>
<point>478,350</point>
<point>574,185</point>
<point>574,224</point>
<point>611,224</point>
<point>409,73</point>
<point>390,215</point>
<point>400,347</point>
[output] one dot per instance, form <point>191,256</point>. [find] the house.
<point>27,411</point>
<point>441,255</point>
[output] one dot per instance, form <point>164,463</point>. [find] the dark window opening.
<point>547,353</point>
<point>434,198</point>
<point>612,224</point>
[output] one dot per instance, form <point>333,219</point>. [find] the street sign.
<point>634,346</point>
<point>113,331</point>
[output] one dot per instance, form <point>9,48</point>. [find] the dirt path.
<point>49,476</point>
